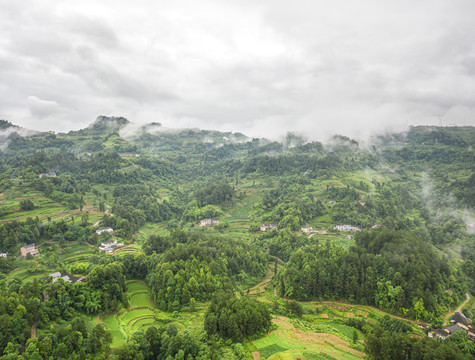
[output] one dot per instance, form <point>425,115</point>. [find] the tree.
<point>295,308</point>
<point>26,205</point>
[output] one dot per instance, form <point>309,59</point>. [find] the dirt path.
<point>259,288</point>
<point>459,309</point>
<point>279,259</point>
<point>34,329</point>
<point>256,355</point>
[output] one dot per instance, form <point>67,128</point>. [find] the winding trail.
<point>34,328</point>
<point>259,288</point>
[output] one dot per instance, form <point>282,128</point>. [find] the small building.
<point>362,203</point>
<point>447,331</point>
<point>348,237</point>
<point>347,228</point>
<point>65,278</point>
<point>107,229</point>
<point>209,222</point>
<point>307,229</point>
<point>268,226</point>
<point>29,249</point>
<point>3,255</point>
<point>57,275</point>
<point>332,202</point>
<point>377,225</point>
<point>50,174</point>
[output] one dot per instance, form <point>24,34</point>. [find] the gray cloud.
<point>262,68</point>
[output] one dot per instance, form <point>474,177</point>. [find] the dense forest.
<point>386,226</point>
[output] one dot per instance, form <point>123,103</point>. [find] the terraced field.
<point>290,342</point>
<point>140,315</point>
<point>129,249</point>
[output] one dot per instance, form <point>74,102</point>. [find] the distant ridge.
<point>112,123</point>
<point>4,124</point>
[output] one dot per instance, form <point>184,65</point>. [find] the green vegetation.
<point>182,291</point>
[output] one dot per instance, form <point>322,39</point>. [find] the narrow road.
<point>459,309</point>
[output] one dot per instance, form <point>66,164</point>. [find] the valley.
<point>311,251</point>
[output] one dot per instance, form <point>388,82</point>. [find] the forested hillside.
<point>384,228</point>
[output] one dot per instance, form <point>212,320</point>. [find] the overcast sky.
<point>260,67</point>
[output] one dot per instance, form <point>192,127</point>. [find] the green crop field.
<point>140,315</point>
<point>117,336</point>
<point>290,342</point>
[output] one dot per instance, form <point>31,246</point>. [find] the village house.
<point>307,229</point>
<point>268,226</point>
<point>377,225</point>
<point>362,203</point>
<point>108,247</point>
<point>29,249</point>
<point>57,275</point>
<point>50,174</point>
<point>332,202</point>
<point>460,319</point>
<point>3,255</point>
<point>107,229</point>
<point>208,222</point>
<point>347,228</point>
<point>447,331</point>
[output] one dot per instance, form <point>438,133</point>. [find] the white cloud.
<point>262,68</point>
<point>42,108</point>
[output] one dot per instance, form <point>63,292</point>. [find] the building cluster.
<point>73,279</point>
<point>103,230</point>
<point>108,247</point>
<point>50,174</point>
<point>268,227</point>
<point>459,323</point>
<point>3,255</point>
<point>57,275</point>
<point>347,228</point>
<point>208,222</point>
